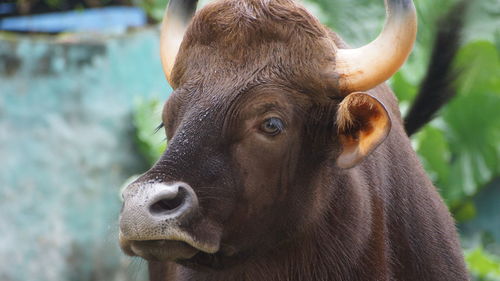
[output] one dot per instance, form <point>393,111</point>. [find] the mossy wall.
<point>66,147</point>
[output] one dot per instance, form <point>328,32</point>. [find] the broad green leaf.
<point>483,20</point>
<point>483,265</point>
<point>473,119</point>
<point>404,90</point>
<point>434,151</point>
<point>480,64</point>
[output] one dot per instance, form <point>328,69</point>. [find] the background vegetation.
<point>154,8</point>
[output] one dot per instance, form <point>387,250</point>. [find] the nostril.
<point>167,205</point>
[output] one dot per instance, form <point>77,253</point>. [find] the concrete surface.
<point>66,147</point>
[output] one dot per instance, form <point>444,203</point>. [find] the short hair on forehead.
<point>264,40</point>
<point>243,21</point>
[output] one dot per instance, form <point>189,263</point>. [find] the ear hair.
<point>363,123</point>
<point>346,120</point>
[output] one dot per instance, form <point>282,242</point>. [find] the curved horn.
<point>175,21</point>
<point>365,67</point>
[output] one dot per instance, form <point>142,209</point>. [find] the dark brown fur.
<point>284,209</point>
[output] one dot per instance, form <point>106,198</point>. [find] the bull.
<point>287,157</point>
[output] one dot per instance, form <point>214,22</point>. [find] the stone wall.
<point>66,147</point>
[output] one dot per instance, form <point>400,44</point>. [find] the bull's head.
<point>266,114</point>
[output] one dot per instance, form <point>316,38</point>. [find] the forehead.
<point>231,42</point>
<point>241,22</point>
<point>228,93</point>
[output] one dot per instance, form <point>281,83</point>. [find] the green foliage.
<point>146,118</point>
<point>60,4</point>
<point>461,149</point>
<point>484,266</point>
<point>54,3</point>
<point>154,8</point>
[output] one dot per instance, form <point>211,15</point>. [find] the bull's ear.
<point>363,123</point>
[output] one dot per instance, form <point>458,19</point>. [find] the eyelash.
<point>159,127</point>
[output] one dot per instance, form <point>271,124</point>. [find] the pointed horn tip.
<point>362,69</point>
<point>400,4</point>
<point>400,7</point>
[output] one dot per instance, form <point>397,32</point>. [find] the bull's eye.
<point>272,126</point>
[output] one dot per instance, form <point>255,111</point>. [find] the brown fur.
<point>286,211</point>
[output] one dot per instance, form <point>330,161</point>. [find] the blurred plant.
<point>154,8</point>
<point>37,6</point>
<point>486,267</point>
<point>461,149</point>
<point>146,118</point>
